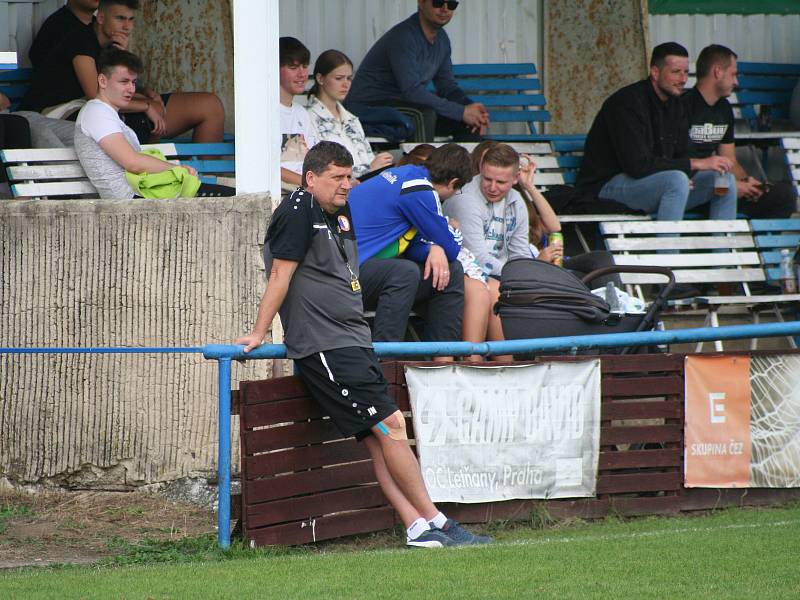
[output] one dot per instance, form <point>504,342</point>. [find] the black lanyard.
<point>354,284</point>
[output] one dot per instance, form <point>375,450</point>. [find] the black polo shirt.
<point>321,311</point>
<point>709,125</point>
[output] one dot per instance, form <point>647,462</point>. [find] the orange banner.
<point>717,452</point>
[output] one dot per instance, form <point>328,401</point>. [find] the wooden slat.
<point>598,218</point>
<point>690,260</point>
<point>670,409</point>
<point>549,178</point>
<point>60,188</point>
<point>639,482</point>
<point>783,240</point>
<point>793,159</point>
<point>324,528</point>
<point>280,388</point>
<point>308,482</point>
<point>280,411</point>
<point>513,100</point>
<point>681,227</point>
<point>236,506</point>
<point>486,69</point>
<point>640,459</point>
<point>30,155</point>
<point>642,387</point>
<point>298,434</point>
<point>641,363</point>
<point>295,509</point>
<point>698,276</point>
<point>514,116</point>
<point>304,457</point>
<point>38,172</point>
<point>679,243</point>
<point>500,84</point>
<point>654,505</point>
<point>640,434</point>
<point>746,300</point>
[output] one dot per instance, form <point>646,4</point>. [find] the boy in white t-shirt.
<point>107,147</point>
<point>297,132</point>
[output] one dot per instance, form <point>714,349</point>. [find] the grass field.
<point>736,553</point>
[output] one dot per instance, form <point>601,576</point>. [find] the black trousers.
<point>778,203</point>
<point>14,133</point>
<point>393,286</point>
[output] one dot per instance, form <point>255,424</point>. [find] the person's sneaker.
<point>462,537</point>
<point>433,538</point>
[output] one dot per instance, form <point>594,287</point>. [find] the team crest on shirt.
<point>344,223</point>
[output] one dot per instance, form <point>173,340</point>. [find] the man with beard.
<point>637,151</point>
<point>398,68</point>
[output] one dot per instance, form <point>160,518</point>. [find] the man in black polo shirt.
<point>312,258</point>
<point>637,149</point>
<point>75,15</point>
<point>711,132</point>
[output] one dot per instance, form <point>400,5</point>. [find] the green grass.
<point>729,554</point>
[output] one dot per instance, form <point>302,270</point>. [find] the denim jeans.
<point>667,194</point>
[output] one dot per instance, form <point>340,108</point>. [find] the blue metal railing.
<point>225,354</point>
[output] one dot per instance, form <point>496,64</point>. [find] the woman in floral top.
<point>333,75</point>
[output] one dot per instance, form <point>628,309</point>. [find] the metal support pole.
<point>224,455</point>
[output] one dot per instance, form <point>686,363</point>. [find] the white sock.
<point>417,528</point>
<point>439,520</point>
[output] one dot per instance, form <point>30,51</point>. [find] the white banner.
<point>496,433</point>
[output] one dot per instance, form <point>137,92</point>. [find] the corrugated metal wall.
<point>481,30</point>
<point>19,22</point>
<point>767,38</point>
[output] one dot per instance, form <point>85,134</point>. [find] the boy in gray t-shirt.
<point>105,146</point>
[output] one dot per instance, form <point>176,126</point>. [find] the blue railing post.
<point>224,454</point>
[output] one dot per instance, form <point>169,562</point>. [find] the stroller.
<point>540,300</point>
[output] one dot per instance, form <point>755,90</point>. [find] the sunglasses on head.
<point>451,4</point>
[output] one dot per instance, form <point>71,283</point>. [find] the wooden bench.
<point>511,92</point>
<point>772,236</point>
<point>56,172</point>
<point>699,252</point>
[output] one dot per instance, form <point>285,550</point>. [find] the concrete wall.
<point>94,273</point>
<point>592,48</point>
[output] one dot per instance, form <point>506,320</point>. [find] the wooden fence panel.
<point>301,482</point>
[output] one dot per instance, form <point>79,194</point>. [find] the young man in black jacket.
<point>711,132</point>
<point>637,149</point>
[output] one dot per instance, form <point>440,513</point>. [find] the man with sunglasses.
<point>398,68</point>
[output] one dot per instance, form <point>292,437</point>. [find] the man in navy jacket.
<point>404,61</point>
